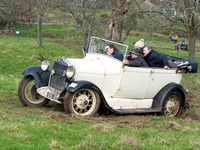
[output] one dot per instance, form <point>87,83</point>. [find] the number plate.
<point>50,95</point>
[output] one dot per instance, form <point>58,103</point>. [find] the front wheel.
<point>172,105</point>
<point>84,102</point>
<point>28,95</point>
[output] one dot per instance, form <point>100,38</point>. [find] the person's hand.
<point>107,53</point>
<point>125,61</point>
<point>166,67</point>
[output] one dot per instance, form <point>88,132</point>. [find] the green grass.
<point>50,128</point>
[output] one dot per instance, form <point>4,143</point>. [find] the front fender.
<point>159,99</point>
<point>41,77</point>
<point>75,86</point>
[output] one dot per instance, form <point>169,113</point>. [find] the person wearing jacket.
<point>136,59</point>
<point>111,50</point>
<point>155,59</point>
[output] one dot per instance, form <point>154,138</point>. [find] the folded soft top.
<point>190,65</point>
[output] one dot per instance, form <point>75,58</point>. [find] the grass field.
<point>50,128</point>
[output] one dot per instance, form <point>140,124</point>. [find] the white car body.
<point>123,86</point>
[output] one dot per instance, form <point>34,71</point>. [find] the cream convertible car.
<point>82,85</point>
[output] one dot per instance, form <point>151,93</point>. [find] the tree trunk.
<point>77,28</point>
<point>39,30</point>
<point>88,32</point>
<point>114,32</point>
<point>191,48</point>
<point>10,27</point>
<point>126,34</point>
<point>29,27</point>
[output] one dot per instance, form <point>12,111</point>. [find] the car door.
<point>134,83</point>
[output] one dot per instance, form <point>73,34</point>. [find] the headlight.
<point>70,72</point>
<point>45,65</point>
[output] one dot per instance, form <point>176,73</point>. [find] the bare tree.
<point>185,18</point>
<point>28,12</point>
<point>41,9</point>
<point>179,15</point>
<point>3,12</point>
<point>188,17</point>
<point>84,13</point>
<point>9,12</point>
<point>128,15</point>
<point>114,31</point>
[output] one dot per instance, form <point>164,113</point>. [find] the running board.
<point>135,111</point>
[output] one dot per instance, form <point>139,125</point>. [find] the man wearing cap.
<point>136,59</point>
<point>155,59</point>
<point>111,50</point>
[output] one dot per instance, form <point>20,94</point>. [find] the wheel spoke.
<point>84,101</point>
<point>172,106</point>
<point>31,93</point>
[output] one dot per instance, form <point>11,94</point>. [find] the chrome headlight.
<point>45,65</point>
<point>70,72</point>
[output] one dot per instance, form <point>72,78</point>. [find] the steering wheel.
<point>101,51</point>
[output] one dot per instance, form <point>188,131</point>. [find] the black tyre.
<point>172,105</point>
<point>28,95</point>
<point>84,102</point>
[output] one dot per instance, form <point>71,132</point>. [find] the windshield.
<point>97,45</point>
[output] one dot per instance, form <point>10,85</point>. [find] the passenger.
<point>139,44</point>
<point>111,50</point>
<point>155,59</point>
<point>137,59</point>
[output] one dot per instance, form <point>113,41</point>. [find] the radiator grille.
<point>58,79</point>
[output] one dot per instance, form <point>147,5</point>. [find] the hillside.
<point>50,128</point>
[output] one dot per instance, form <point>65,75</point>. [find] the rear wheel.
<point>28,95</point>
<point>172,105</point>
<point>84,102</point>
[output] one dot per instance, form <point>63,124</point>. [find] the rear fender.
<point>159,99</point>
<point>41,77</point>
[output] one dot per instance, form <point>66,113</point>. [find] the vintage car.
<point>181,46</point>
<point>82,85</point>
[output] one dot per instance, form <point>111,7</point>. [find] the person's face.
<point>109,50</point>
<point>146,51</point>
<point>133,55</point>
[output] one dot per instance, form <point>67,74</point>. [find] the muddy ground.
<point>56,111</point>
<point>192,113</point>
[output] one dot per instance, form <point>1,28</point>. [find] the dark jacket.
<point>118,54</point>
<point>138,62</point>
<point>155,59</point>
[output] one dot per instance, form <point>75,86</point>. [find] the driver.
<point>111,50</point>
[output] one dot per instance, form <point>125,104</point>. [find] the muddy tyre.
<point>28,95</point>
<point>84,102</point>
<point>172,105</point>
